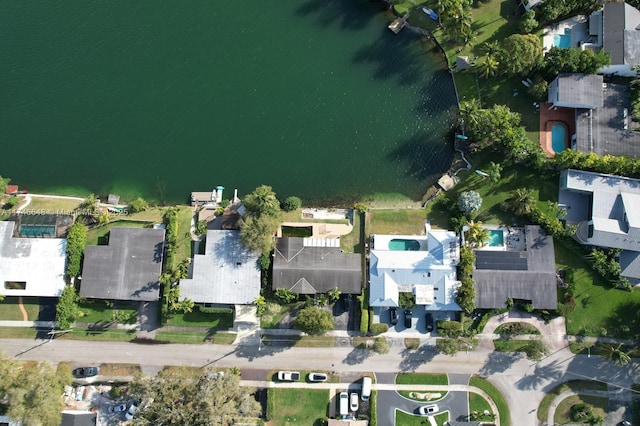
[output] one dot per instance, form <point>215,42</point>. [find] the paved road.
<point>522,382</point>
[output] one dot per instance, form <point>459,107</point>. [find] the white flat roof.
<point>38,262</point>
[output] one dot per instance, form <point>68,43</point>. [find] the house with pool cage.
<point>32,257</point>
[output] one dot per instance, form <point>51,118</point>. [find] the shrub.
<point>11,203</point>
<point>76,241</point>
<point>314,321</point>
<point>450,328</point>
<point>286,295</point>
<point>291,203</point>
<point>379,328</point>
<point>469,202</point>
<point>138,205</point>
<point>406,300</point>
<point>364,321</point>
<point>206,310</point>
<point>381,346</point>
<point>271,404</point>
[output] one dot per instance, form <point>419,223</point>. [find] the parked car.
<point>429,319</point>
<point>81,373</point>
<point>317,377</point>
<point>343,408</point>
<point>353,401</point>
<point>346,302</point>
<point>130,412</point>
<point>427,410</point>
<point>288,376</point>
<point>407,318</point>
<point>393,315</point>
<point>117,408</point>
<point>366,388</point>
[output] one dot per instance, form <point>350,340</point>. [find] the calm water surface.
<point>159,98</point>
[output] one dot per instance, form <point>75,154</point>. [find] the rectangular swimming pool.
<point>562,40</point>
<point>496,238</point>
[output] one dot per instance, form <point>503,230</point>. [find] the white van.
<point>343,401</point>
<point>366,388</point>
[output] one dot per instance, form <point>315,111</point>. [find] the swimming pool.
<point>562,40</point>
<point>496,238</point>
<point>558,138</point>
<point>37,231</point>
<point>404,245</point>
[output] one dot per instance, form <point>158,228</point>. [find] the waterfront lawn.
<point>563,412</point>
<point>99,234</point>
<point>574,385</point>
<point>494,393</point>
<point>184,246</point>
<point>545,188</point>
<point>9,310</point>
<point>299,406</point>
<point>353,242</point>
<point>395,222</point>
<point>598,306</point>
<point>422,379</point>
<point>53,205</point>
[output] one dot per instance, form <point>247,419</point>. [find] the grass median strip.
<point>421,379</point>
<point>494,393</point>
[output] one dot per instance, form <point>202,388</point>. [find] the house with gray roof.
<point>602,114</point>
<point>621,38</point>
<point>526,273</point>
<point>606,211</point>
<point>128,268</point>
<point>226,274</point>
<point>30,266</point>
<point>424,265</point>
<point>315,266</point>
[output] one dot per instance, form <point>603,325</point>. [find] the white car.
<point>130,412</point>
<point>427,410</point>
<point>288,376</point>
<point>317,377</point>
<point>353,401</point>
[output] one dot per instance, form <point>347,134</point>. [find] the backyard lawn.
<point>9,310</point>
<point>599,309</point>
<point>299,406</point>
<point>395,222</point>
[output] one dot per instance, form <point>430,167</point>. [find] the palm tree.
<point>495,172</point>
<point>489,67</point>
<point>470,111</point>
<point>520,201</point>
<point>615,354</point>
<point>476,235</point>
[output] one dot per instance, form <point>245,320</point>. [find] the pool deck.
<point>320,230</point>
<point>577,25</point>
<point>514,239</point>
<point>548,117</point>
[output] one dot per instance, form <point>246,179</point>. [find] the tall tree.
<point>257,233</point>
<point>262,201</point>
<point>76,241</point>
<point>476,236</point>
<point>314,320</point>
<point>520,54</point>
<point>469,202</point>
<point>67,308</point>
<point>191,397</point>
<point>495,172</point>
<point>520,201</point>
<point>3,184</point>
<point>615,354</point>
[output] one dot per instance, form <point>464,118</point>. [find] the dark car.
<point>80,373</point>
<point>429,319</point>
<point>407,318</point>
<point>346,302</point>
<point>393,315</point>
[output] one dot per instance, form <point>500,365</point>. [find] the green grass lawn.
<point>9,310</point>
<point>598,306</point>
<point>478,404</point>
<point>353,242</point>
<point>53,205</point>
<point>395,222</point>
<point>407,394</point>
<point>575,385</point>
<point>18,333</point>
<point>494,393</point>
<point>406,419</point>
<point>275,313</point>
<point>114,335</point>
<point>201,319</point>
<point>299,406</point>
<point>421,379</point>
<point>510,345</point>
<point>301,341</point>
<point>94,311</point>
<point>184,246</point>
<point>545,189</point>
<point>98,235</point>
<point>563,412</point>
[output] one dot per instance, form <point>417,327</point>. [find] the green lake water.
<point>160,98</point>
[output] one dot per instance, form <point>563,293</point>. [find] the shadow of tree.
<point>357,356</point>
<point>424,156</point>
<point>499,362</point>
<point>412,359</point>
<point>348,15</point>
<point>541,374</point>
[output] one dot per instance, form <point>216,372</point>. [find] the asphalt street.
<point>522,382</point>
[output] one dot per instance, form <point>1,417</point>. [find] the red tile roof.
<point>11,189</point>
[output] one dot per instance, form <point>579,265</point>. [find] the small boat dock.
<point>397,25</point>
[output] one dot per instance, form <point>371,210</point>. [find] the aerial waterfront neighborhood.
<point>507,294</point>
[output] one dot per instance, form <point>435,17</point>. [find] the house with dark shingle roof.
<point>78,418</point>
<point>527,274</point>
<point>621,38</point>
<point>606,211</point>
<point>227,273</point>
<point>602,114</point>
<point>315,266</point>
<point>127,269</point>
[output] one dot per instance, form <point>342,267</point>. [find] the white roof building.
<point>422,265</point>
<point>31,266</point>
<point>228,273</point>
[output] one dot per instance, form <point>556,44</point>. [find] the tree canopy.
<point>257,233</point>
<point>191,397</point>
<point>31,393</point>
<point>573,60</point>
<point>469,202</point>
<point>262,201</point>
<point>76,241</point>
<point>314,320</point>
<point>3,184</point>
<point>67,308</point>
<point>520,54</point>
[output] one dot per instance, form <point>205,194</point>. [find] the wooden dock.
<point>397,25</point>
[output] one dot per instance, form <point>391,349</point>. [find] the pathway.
<point>616,396</point>
<point>23,311</point>
<point>553,333</point>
